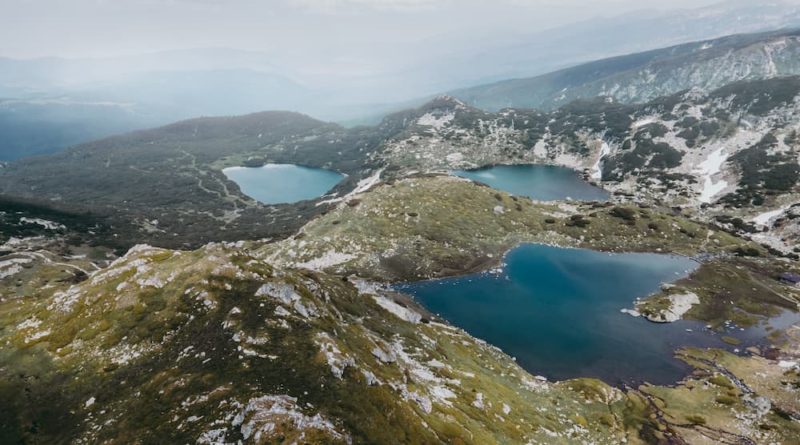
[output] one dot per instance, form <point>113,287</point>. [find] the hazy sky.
<point>86,28</point>
<point>350,52</point>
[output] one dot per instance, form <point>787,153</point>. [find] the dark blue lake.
<point>558,312</point>
<point>283,183</point>
<point>540,182</point>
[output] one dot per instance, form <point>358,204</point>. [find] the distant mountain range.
<point>543,51</point>
<point>641,77</point>
<point>51,103</point>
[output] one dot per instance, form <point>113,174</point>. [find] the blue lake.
<point>557,311</point>
<point>283,183</point>
<point>540,182</point>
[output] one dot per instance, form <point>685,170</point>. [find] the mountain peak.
<point>445,102</point>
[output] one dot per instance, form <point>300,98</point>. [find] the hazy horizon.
<point>151,62</point>
<point>97,28</point>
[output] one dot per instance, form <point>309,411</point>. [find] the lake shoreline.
<point>278,184</point>
<point>542,182</point>
<point>689,332</point>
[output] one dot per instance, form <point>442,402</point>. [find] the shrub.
<point>747,252</point>
<point>623,213</point>
<point>578,221</point>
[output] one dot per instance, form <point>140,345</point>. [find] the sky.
<point>352,52</point>
<point>97,28</point>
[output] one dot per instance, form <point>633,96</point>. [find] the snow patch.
<point>48,225</point>
<point>709,168</point>
<point>644,121</point>
<point>362,186</point>
<point>367,183</point>
<point>597,169</point>
<point>765,218</point>
<point>437,122</point>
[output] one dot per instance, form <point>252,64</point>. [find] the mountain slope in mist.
<point>158,88</point>
<point>644,76</point>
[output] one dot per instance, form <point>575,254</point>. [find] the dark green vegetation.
<point>648,158</point>
<point>696,131</point>
<point>763,173</point>
<point>16,221</point>
<point>165,185</point>
<point>759,98</point>
<point>597,114</point>
<point>644,76</point>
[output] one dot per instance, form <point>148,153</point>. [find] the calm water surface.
<point>540,182</point>
<point>558,312</point>
<point>283,183</point>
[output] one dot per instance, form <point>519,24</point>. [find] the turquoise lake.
<point>539,182</point>
<point>283,183</point>
<point>557,311</point>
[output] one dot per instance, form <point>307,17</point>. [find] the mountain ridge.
<point>653,72</point>
<point>664,141</point>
